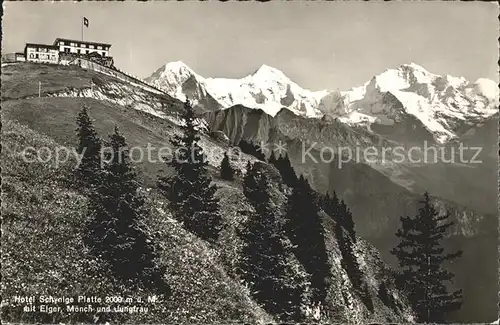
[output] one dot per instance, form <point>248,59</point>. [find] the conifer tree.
<point>251,149</point>
<point>272,159</point>
<point>306,232</point>
<point>346,239</point>
<point>285,168</point>
<point>349,261</point>
<point>190,192</point>
<point>266,261</point>
<point>88,173</point>
<point>226,171</point>
<point>116,230</point>
<point>421,257</point>
<point>345,217</point>
<point>330,204</point>
<point>250,181</point>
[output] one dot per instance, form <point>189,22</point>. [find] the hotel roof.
<point>41,45</point>
<point>79,41</point>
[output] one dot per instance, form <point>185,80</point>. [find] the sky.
<point>319,45</point>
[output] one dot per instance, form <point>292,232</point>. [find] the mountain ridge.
<point>440,103</point>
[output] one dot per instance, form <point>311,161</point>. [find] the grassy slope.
<point>21,80</point>
<point>56,117</point>
<point>43,251</point>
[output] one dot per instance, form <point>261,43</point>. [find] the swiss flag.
<point>85,21</point>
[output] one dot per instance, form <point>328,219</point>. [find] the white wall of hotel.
<point>13,57</point>
<point>36,53</point>
<point>20,57</point>
<point>76,47</point>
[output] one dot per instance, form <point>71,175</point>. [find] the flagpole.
<point>82,27</point>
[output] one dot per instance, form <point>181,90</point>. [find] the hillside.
<point>42,213</point>
<point>39,201</point>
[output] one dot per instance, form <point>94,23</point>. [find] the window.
<point>72,44</point>
<point>61,43</point>
<point>87,51</point>
<point>91,46</point>
<point>53,57</point>
<point>66,50</point>
<point>78,51</point>
<point>99,47</point>
<point>84,45</point>
<point>36,56</point>
<point>32,55</point>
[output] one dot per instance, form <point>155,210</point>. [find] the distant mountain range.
<point>442,104</point>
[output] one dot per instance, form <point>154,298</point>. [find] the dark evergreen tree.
<point>190,192</point>
<point>88,173</point>
<point>226,171</point>
<point>115,231</point>
<point>349,261</point>
<point>346,239</point>
<point>305,230</point>
<point>285,168</point>
<point>272,159</point>
<point>386,297</point>
<point>330,204</point>
<point>251,149</point>
<point>421,257</point>
<point>266,262</point>
<point>345,218</point>
<point>250,181</point>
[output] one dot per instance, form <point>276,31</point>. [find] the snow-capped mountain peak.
<point>176,71</point>
<point>170,76</point>
<point>270,73</point>
<point>267,88</point>
<point>441,103</point>
<point>486,87</point>
<point>403,77</point>
<point>176,65</point>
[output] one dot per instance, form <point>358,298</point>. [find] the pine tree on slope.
<point>88,173</point>
<point>266,255</point>
<point>191,195</point>
<point>346,220</point>
<point>421,257</point>
<point>226,171</point>
<point>346,239</point>
<point>330,204</point>
<point>306,232</point>
<point>251,149</point>
<point>115,231</point>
